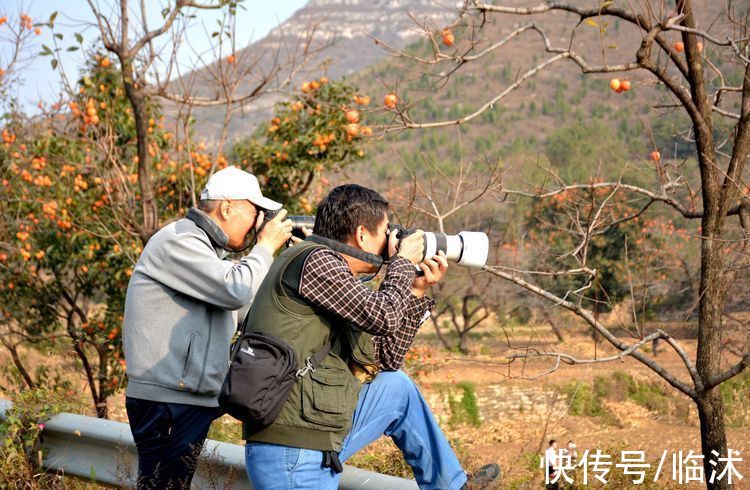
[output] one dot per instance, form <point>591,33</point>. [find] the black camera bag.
<point>262,371</point>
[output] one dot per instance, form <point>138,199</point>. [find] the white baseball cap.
<point>234,183</point>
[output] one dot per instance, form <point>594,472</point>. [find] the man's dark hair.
<point>345,208</point>
<point>552,441</point>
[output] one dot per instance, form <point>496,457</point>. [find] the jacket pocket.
<point>329,397</point>
<point>187,358</point>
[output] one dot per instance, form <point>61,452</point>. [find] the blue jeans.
<point>392,405</point>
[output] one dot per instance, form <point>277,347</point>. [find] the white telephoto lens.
<point>476,248</point>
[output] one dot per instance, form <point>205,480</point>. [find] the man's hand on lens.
<point>412,247</point>
<point>434,270</point>
<point>305,231</point>
<point>276,232</point>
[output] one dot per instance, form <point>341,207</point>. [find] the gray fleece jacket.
<point>181,309</point>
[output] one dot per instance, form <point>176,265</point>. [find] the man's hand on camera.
<point>434,270</point>
<point>305,231</point>
<point>276,232</point>
<point>412,247</point>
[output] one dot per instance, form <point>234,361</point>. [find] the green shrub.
<point>464,410</point>
<point>621,386</point>
<point>20,454</point>
<point>583,400</point>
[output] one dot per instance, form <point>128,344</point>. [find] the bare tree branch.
<point>601,329</point>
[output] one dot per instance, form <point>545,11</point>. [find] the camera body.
<point>298,222</point>
<point>467,248</point>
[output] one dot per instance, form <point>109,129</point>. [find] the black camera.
<point>298,222</point>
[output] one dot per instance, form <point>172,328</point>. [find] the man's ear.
<point>224,209</point>
<point>360,236</point>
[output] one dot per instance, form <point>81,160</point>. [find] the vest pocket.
<point>362,362</point>
<point>329,396</point>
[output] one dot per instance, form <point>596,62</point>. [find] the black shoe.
<point>484,477</point>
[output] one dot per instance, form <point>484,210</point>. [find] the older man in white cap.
<point>182,306</point>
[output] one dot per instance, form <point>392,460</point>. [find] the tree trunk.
<point>714,279</point>
<point>708,362</point>
<point>102,409</point>
<point>594,333</point>
<point>463,341</point>
<point>19,365</point>
<point>713,436</point>
<point>150,219</point>
<point>555,329</point>
<point>439,333</point>
<point>557,332</point>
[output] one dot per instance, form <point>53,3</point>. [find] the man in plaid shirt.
<point>392,315</point>
<point>390,403</point>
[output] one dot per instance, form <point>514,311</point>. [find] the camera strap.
<point>331,460</point>
<point>205,223</point>
<point>345,249</point>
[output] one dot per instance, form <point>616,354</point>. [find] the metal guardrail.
<point>103,451</point>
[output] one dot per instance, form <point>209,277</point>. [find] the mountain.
<point>344,29</point>
<point>559,103</point>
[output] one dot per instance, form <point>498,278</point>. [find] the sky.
<point>41,82</point>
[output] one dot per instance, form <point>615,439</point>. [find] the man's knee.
<point>396,382</point>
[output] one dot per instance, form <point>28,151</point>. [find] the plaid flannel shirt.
<point>392,315</point>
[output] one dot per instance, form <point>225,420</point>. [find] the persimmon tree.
<point>69,233</point>
<point>701,67</point>
<point>67,251</point>
<point>320,129</point>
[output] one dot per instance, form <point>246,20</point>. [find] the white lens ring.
<point>430,244</point>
